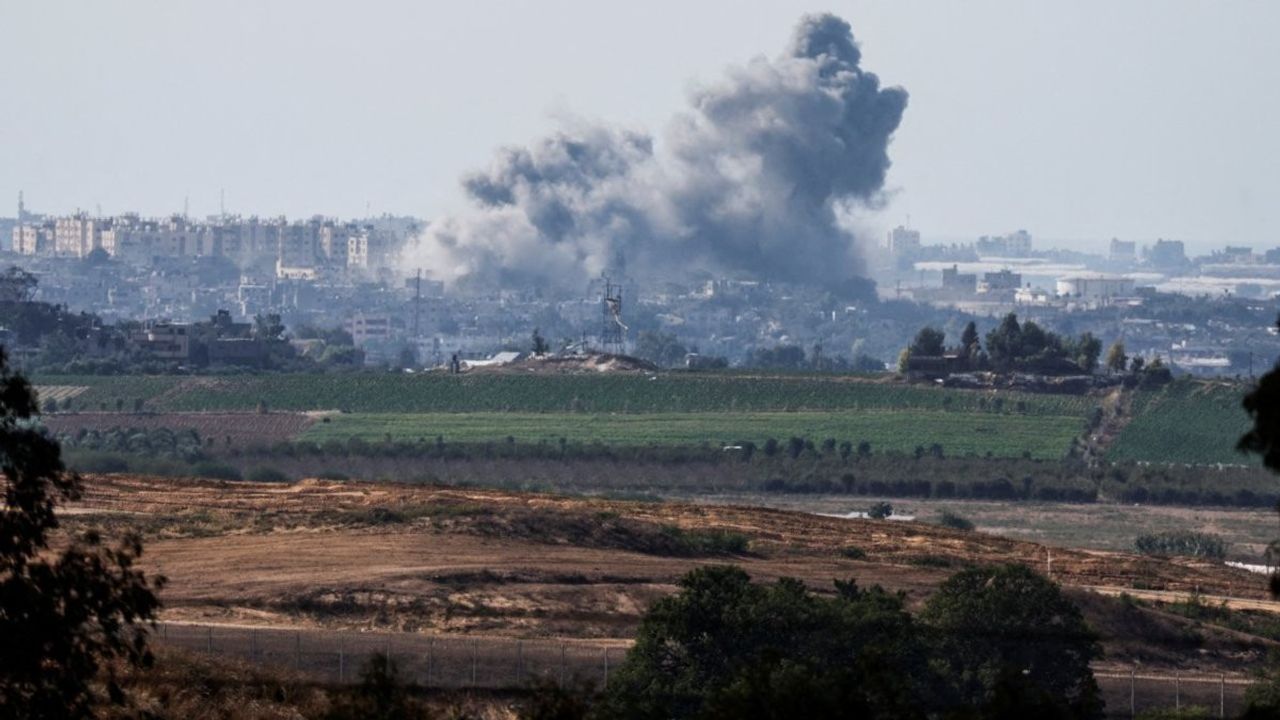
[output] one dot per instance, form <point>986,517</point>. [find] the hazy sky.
<point>1076,120</point>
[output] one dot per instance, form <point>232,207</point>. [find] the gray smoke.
<point>748,181</point>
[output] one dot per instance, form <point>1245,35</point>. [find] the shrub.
<point>215,471</point>
<point>1182,542</point>
<point>954,521</point>
<point>879,510</point>
<point>853,552</point>
<point>267,474</point>
<point>97,463</point>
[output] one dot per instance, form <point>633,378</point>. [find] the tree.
<point>1136,363</point>
<point>1004,342</point>
<point>1087,351</point>
<point>724,647</point>
<point>268,327</point>
<point>17,285</point>
<point>970,342</point>
<point>1116,359</point>
<point>66,616</point>
<point>1006,632</point>
<point>904,361</point>
<point>783,357</point>
<point>1263,406</point>
<point>659,348</point>
<point>540,346</point>
<point>407,357</point>
<point>928,342</point>
<point>381,695</point>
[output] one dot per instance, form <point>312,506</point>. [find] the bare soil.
<point>238,428</point>
<point>353,555</point>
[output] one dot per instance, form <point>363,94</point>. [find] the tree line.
<point>1014,346</point>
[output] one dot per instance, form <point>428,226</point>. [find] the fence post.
<point>253,646</point>
<point>297,651</point>
<point>562,664</point>
<point>342,661</point>
<point>519,660</point>
<point>1133,707</point>
<point>208,646</point>
<point>430,646</point>
<point>473,662</point>
<point>606,666</point>
<point>1177,691</point>
<point>1222,695</point>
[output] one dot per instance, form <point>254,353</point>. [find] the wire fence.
<point>498,663</point>
<point>430,661</point>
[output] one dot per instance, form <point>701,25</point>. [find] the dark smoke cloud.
<point>748,181</point>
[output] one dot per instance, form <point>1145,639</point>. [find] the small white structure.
<point>1093,287</point>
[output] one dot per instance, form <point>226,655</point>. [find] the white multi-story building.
<point>1095,287</point>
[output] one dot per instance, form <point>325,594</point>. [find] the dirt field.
<point>222,428</point>
<point>361,556</point>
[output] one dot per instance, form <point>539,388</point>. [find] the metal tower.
<point>613,332</point>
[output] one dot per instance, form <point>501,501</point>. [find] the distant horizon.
<point>1039,243</point>
<point>1080,122</point>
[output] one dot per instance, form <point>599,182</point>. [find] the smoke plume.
<point>748,182</point>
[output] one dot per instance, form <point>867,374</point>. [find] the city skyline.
<point>1140,120</point>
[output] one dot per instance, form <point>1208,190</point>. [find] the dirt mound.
<point>591,362</point>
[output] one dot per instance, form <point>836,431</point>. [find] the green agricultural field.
<point>604,393</point>
<point>959,433</point>
<point>1185,422</point>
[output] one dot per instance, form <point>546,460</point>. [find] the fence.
<point>441,661</point>
<point>497,663</point>
<point>1131,693</point>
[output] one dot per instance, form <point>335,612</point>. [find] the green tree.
<point>1006,634</point>
<point>659,348</point>
<point>66,616</point>
<point>1004,342</point>
<point>540,346</point>
<point>17,285</point>
<point>381,695</point>
<point>723,647</point>
<point>1263,406</point>
<point>970,341</point>
<point>928,342</point>
<point>1087,351</point>
<point>1116,359</point>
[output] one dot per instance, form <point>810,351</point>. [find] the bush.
<point>853,552</point>
<point>1182,542</point>
<point>215,471</point>
<point>709,542</point>
<point>97,463</point>
<point>954,521</point>
<point>879,510</point>
<point>268,474</point>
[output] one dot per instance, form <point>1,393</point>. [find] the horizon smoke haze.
<point>751,180</point>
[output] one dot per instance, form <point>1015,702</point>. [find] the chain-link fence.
<point>498,663</point>
<point>440,661</point>
<point>1131,693</point>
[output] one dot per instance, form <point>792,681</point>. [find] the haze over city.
<point>1081,122</point>
<point>549,360</point>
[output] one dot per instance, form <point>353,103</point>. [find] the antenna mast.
<point>612,329</point>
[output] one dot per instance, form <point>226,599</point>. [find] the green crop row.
<point>1188,422</point>
<point>974,433</point>
<point>616,393</point>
